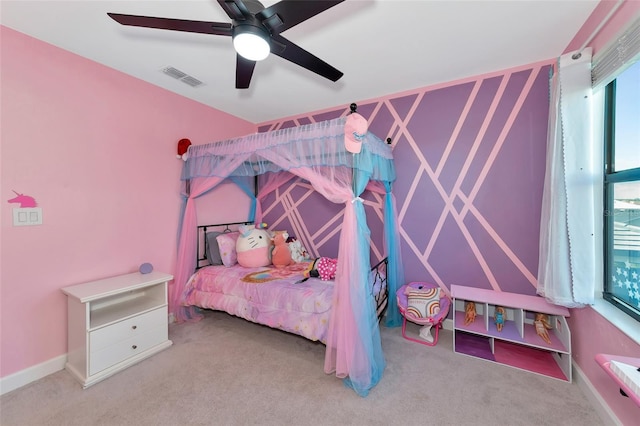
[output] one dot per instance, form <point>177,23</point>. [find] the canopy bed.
<point>291,298</point>
<point>317,153</point>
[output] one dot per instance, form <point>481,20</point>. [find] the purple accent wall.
<point>497,245</point>
<point>308,216</point>
<point>470,166</point>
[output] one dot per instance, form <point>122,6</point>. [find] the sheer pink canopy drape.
<point>315,153</point>
<point>272,182</point>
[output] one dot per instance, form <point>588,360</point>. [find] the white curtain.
<point>567,257</point>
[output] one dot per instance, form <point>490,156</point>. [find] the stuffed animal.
<point>253,246</point>
<point>323,267</point>
<point>281,256</point>
<point>298,253</point>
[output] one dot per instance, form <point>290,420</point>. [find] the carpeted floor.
<point>227,371</point>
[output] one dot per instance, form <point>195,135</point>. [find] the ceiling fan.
<point>255,31</point>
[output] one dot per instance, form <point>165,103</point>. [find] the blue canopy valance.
<point>312,145</point>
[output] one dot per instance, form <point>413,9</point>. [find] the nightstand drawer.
<point>128,348</point>
<point>109,335</point>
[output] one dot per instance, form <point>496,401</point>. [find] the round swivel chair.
<point>433,318</point>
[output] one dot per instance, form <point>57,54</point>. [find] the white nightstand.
<point>114,323</point>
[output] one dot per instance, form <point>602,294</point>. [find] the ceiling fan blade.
<point>236,9</point>
<point>288,13</point>
<point>301,57</point>
<point>203,27</point>
<point>244,71</point>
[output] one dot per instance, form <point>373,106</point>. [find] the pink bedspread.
<point>265,295</point>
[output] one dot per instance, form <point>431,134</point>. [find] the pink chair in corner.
<point>434,321</point>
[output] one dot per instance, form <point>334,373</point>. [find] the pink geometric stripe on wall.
<point>470,161</point>
<point>308,216</point>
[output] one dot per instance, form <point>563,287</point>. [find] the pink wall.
<point>591,333</point>
<point>97,150</point>
<point>618,21</point>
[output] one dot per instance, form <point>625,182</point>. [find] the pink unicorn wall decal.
<point>24,200</point>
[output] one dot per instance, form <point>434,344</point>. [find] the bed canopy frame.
<point>315,152</point>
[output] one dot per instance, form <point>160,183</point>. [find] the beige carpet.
<point>227,371</point>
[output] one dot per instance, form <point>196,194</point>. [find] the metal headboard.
<point>203,245</point>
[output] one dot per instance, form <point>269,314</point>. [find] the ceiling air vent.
<point>184,77</point>
<point>193,82</point>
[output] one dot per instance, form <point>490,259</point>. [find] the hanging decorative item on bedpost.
<point>345,328</point>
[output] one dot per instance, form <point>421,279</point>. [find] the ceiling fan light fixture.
<point>255,31</point>
<point>251,42</point>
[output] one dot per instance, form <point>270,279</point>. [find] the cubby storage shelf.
<point>517,344</point>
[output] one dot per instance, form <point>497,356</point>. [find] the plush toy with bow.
<point>327,268</point>
<point>323,267</point>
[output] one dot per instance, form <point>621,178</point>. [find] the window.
<point>622,191</point>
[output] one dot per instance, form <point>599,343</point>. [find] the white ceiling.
<point>382,47</point>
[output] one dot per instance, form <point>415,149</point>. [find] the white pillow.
<point>423,303</point>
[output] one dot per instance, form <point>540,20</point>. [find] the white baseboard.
<point>31,374</point>
<point>447,324</point>
<point>599,404</point>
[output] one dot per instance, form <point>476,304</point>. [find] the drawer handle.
<point>133,327</point>
<point>134,347</point>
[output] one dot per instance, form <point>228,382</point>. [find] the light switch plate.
<point>27,216</point>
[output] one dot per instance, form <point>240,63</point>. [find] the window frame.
<point>611,177</point>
